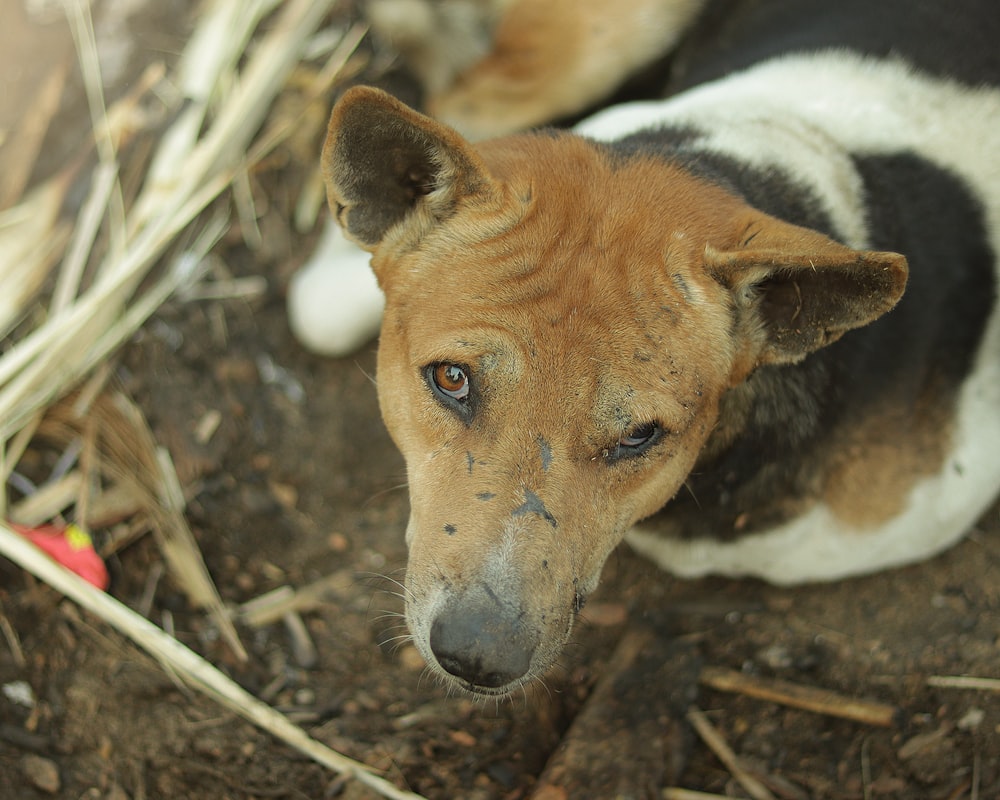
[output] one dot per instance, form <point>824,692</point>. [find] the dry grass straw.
<point>112,267</point>
<point>106,286</point>
<point>965,682</point>
<point>115,448</point>
<point>109,269</point>
<point>220,108</point>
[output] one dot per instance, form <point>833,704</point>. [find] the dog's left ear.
<point>390,169</point>
<point>800,290</point>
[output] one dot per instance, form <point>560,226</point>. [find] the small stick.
<point>271,606</point>
<point>303,649</point>
<point>807,698</point>
<point>710,736</point>
<point>964,682</point>
<point>676,793</point>
<point>12,641</point>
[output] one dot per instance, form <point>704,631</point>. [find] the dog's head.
<point>560,326</point>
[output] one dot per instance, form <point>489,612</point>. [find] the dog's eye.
<point>640,436</point>
<point>451,381</point>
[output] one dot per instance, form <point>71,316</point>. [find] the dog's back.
<point>895,427</point>
<point>957,41</point>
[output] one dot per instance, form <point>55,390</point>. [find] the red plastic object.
<point>69,545</point>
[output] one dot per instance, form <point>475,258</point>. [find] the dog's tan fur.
<point>532,265</point>
<point>521,63</point>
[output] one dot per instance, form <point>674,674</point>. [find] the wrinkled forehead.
<point>550,307</point>
<point>537,275</point>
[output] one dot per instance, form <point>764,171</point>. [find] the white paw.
<point>334,303</point>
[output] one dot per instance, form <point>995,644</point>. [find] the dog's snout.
<point>483,641</point>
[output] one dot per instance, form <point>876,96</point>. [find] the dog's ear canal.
<point>385,164</point>
<point>798,290</point>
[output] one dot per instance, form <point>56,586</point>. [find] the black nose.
<point>482,640</point>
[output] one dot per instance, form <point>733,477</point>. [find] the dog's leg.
<point>556,58</point>
<point>334,303</point>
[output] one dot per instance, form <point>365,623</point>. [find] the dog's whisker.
<point>395,643</point>
<point>371,378</point>
<point>404,593</point>
<point>690,490</point>
<point>389,615</point>
<point>384,492</point>
<point>390,593</point>
<point>388,629</point>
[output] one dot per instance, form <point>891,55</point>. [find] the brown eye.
<point>451,380</point>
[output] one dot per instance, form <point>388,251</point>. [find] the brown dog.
<point>576,326</point>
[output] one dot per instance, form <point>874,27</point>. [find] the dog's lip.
<point>489,691</point>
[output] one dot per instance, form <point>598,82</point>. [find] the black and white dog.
<point>695,292</point>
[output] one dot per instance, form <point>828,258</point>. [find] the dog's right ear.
<point>390,170</point>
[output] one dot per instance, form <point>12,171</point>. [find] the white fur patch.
<point>806,113</point>
<point>334,303</point>
<point>867,108</point>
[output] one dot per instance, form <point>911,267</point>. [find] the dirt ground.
<point>300,483</point>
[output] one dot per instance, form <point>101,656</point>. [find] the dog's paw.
<point>334,303</point>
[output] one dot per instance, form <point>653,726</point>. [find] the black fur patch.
<point>769,190</point>
<point>945,39</point>
<point>921,350</point>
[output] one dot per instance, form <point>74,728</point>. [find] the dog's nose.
<point>482,641</point>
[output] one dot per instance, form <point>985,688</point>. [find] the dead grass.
<point>73,291</point>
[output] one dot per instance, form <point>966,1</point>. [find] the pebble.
<point>338,542</point>
<point>410,658</point>
<point>971,720</point>
<point>286,494</point>
<point>775,656</point>
<point>19,692</point>
<point>42,773</point>
<point>462,738</point>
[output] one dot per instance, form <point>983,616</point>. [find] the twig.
<point>271,606</point>
<point>866,769</point>
<point>12,641</point>
<point>807,698</point>
<point>195,670</point>
<point>676,793</point>
<point>718,745</point>
<point>976,767</point>
<point>303,649</point>
<point>964,682</point>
